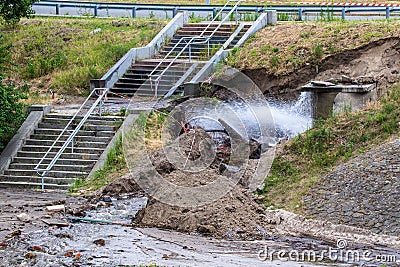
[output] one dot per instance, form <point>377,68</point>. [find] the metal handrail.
<point>188,44</point>
<point>43,172</point>
<point>219,13</point>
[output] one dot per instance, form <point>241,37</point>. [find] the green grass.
<point>307,157</point>
<point>114,166</point>
<point>63,54</point>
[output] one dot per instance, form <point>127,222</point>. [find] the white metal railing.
<point>43,171</point>
<point>199,39</point>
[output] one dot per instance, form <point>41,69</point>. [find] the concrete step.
<point>34,161</point>
<point>35,185</point>
<point>82,132</point>
<point>83,150</point>
<point>48,143</point>
<point>39,155</point>
<point>57,167</point>
<point>78,138</point>
<point>189,32</point>
<point>213,39</point>
<point>65,121</point>
<point>92,117</point>
<point>55,174</point>
<point>144,71</point>
<point>126,85</point>
<point>87,127</point>
<point>193,49</point>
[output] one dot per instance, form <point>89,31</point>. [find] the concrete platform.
<point>324,87</point>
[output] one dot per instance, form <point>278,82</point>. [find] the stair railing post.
<point>44,173</point>
<point>208,47</point>
<point>236,16</point>
<point>72,144</point>
<point>190,52</point>
<point>100,107</point>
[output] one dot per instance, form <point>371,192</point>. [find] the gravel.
<point>364,192</point>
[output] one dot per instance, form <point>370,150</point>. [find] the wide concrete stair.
<point>136,80</point>
<point>89,144</point>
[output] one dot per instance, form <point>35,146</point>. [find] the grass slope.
<point>285,48</point>
<point>63,54</point>
<point>304,160</point>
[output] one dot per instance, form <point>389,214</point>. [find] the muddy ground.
<point>84,244</point>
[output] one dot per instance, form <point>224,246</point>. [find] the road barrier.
<point>336,9</point>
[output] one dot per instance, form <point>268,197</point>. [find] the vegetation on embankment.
<point>284,48</point>
<point>12,110</point>
<point>114,167</point>
<point>63,54</point>
<point>302,162</point>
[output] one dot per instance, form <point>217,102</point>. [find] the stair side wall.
<point>27,128</point>
<point>127,124</point>
<point>145,52</point>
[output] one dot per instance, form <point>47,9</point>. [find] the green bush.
<point>12,111</point>
<point>13,10</point>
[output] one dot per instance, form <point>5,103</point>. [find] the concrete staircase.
<point>136,80</point>
<point>89,144</point>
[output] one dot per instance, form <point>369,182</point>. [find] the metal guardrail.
<point>192,41</point>
<point>343,11</point>
<point>70,140</point>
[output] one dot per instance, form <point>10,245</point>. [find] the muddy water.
<point>84,244</point>
<point>76,245</point>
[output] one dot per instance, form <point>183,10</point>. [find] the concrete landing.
<point>326,87</point>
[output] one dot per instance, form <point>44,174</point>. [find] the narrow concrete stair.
<point>89,144</point>
<point>136,79</point>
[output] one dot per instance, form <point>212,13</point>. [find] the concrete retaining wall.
<point>127,124</point>
<point>266,18</point>
<point>31,122</point>
<point>145,52</point>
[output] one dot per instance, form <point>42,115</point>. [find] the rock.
<point>99,242</point>
<point>13,234</point>
<point>37,248</point>
<point>322,83</point>
<point>23,217</point>
<point>347,79</point>
<point>69,253</point>
<point>55,208</point>
<point>30,255</point>
<point>107,199</point>
<point>95,31</point>
<point>206,229</point>
<point>230,208</point>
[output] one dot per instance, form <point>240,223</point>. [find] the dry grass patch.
<point>287,47</point>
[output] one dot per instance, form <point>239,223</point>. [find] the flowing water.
<point>292,117</point>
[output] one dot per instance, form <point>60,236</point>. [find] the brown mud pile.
<point>234,215</point>
<point>379,60</point>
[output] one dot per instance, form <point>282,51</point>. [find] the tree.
<point>12,110</point>
<point>13,10</point>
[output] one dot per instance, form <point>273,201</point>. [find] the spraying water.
<point>292,117</point>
